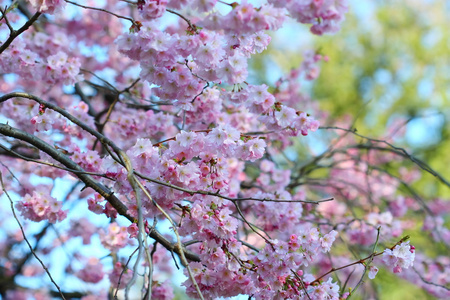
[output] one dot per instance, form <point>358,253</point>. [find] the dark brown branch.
<point>66,161</point>
<point>6,19</point>
<point>89,182</point>
<point>79,92</point>
<point>104,140</point>
<point>14,151</point>
<point>16,33</point>
<point>191,26</point>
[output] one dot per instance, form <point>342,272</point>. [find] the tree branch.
<point>16,33</point>
<point>90,182</point>
<point>399,151</point>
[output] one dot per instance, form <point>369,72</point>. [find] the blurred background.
<point>388,75</point>
<point>389,66</point>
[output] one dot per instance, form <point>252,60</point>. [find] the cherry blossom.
<point>401,257</point>
<point>141,122</point>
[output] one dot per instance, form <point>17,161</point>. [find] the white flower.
<point>373,272</point>
<point>285,116</point>
<point>401,257</point>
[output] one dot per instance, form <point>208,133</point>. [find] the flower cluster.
<point>401,257</point>
<point>325,15</point>
<point>245,18</point>
<point>163,291</point>
<point>174,124</point>
<point>92,271</point>
<point>28,59</point>
<point>41,206</point>
<point>83,228</point>
<point>267,274</point>
<point>116,237</point>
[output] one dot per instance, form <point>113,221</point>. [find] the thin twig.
<point>26,240</point>
<point>103,10</point>
<point>302,283</point>
<point>11,29</point>
<point>150,262</point>
<point>415,160</point>
<point>125,267</point>
<point>53,165</point>
<point>90,182</point>
<point>141,232</point>
<point>362,260</point>
<point>249,245</point>
<point>367,264</point>
<point>179,244</point>
<point>191,192</point>
<point>250,225</point>
<point>190,25</point>
<point>16,33</point>
<point>429,282</point>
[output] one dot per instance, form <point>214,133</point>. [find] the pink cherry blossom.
<point>373,271</point>
<point>144,123</point>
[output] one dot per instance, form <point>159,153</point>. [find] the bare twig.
<point>125,267</point>
<point>15,154</point>
<point>11,29</point>
<point>251,226</point>
<point>415,160</point>
<point>16,33</point>
<point>102,10</point>
<point>179,244</point>
<point>429,282</point>
<point>361,261</point>
<point>26,239</point>
<point>367,263</point>
<point>191,26</point>
<point>141,233</point>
